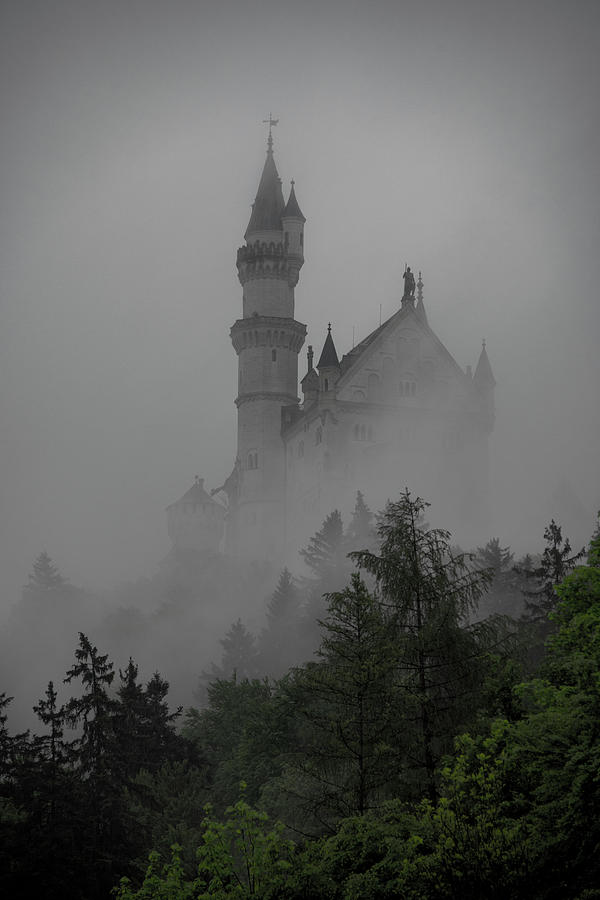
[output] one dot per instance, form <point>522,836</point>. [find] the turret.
<point>292,222</point>
<point>485,383</point>
<point>196,521</point>
<point>328,365</point>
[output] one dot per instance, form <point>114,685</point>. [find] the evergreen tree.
<point>429,591</point>
<point>360,533</point>
<point>503,594</point>
<point>163,744</point>
<point>239,660</point>
<point>106,838</point>
<point>326,555</point>
<point>278,644</point>
<point>45,575</point>
<point>343,760</point>
<point>556,562</point>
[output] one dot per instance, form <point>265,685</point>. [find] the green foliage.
<point>239,735</point>
<point>428,592</point>
<point>342,758</point>
<point>325,554</point>
<point>241,857</point>
<point>556,561</point>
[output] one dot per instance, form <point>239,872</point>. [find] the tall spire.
<point>483,373</point>
<point>329,357</point>
<point>269,203</point>
<point>292,210</point>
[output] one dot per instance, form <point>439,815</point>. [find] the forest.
<point>409,720</point>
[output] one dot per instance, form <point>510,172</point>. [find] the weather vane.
<point>270,122</point>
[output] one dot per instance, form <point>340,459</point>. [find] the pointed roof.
<point>196,495</point>
<point>269,203</point>
<point>483,373</point>
<point>310,380</point>
<point>329,358</point>
<point>292,210</point>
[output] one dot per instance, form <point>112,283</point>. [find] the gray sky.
<point>460,137</point>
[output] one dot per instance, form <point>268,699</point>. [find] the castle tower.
<point>195,522</point>
<point>267,340</point>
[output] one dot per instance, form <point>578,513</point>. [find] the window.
<point>363,433</point>
<point>301,449</point>
<point>319,435</point>
<point>252,460</point>
<point>273,355</point>
<point>326,384</point>
<point>374,387</point>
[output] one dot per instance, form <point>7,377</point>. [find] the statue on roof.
<point>409,283</point>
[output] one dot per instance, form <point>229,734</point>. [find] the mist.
<point>461,138</point>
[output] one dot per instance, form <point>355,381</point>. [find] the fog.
<point>460,137</point>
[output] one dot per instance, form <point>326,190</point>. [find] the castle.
<point>395,411</point>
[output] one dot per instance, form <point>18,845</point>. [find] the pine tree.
<point>278,644</point>
<point>343,757</point>
<point>429,591</point>
<point>325,554</point>
<point>360,534</point>
<point>503,594</point>
<point>556,562</point>
<point>45,576</point>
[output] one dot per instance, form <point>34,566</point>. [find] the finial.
<point>270,122</point>
<point>293,182</point>
<point>196,479</point>
<point>329,328</point>
<point>420,288</point>
<point>483,344</point>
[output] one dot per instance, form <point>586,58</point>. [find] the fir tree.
<point>429,591</point>
<point>360,534</point>
<point>556,561</point>
<point>325,554</point>
<point>45,576</point>
<point>277,646</point>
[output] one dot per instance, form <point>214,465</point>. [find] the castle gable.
<point>400,354</point>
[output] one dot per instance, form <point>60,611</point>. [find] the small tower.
<point>196,521</point>
<point>267,340</point>
<point>485,383</point>
<point>328,365</point>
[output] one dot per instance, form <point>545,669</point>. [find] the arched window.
<point>319,435</point>
<point>273,355</point>
<point>357,432</point>
<point>374,387</point>
<point>253,459</point>
<point>301,449</point>
<point>326,384</point>
<point>358,395</point>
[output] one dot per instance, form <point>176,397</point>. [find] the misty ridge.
<point>203,616</point>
